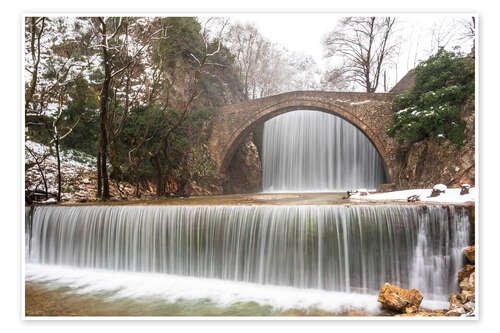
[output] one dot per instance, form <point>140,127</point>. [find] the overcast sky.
<point>304,33</point>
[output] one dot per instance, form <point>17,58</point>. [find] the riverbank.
<point>42,301</point>
<point>329,198</point>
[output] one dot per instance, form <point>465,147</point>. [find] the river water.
<point>251,259</point>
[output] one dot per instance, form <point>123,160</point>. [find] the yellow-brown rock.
<point>468,283</point>
<point>435,313</point>
<point>398,299</point>
<point>465,272</point>
<point>470,254</point>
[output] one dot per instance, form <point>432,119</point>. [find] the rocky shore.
<point>406,303</point>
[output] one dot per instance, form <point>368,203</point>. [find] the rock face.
<point>245,172</point>
<point>470,254</point>
<point>463,303</point>
<point>400,300</point>
<point>450,165</point>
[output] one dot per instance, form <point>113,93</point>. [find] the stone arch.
<point>236,122</point>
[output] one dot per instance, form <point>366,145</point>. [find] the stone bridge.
<point>370,112</point>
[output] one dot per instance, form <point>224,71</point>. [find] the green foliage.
<point>184,39</point>
<point>84,105</point>
<point>432,108</point>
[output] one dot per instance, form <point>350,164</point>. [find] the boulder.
<point>413,198</point>
<point>470,254</point>
<point>398,299</point>
<point>438,189</point>
<point>464,189</point>
<point>465,272</point>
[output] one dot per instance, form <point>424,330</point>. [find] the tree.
<point>364,46</point>
<point>161,151</point>
<point>432,108</point>
<point>54,66</point>
<point>265,68</point>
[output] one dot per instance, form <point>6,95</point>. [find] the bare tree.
<point>53,66</point>
<point>364,45</point>
<point>35,30</point>
<point>267,68</point>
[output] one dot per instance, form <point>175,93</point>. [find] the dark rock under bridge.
<point>369,112</point>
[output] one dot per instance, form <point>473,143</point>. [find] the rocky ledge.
<point>406,302</point>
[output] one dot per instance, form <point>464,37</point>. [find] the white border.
<point>225,13</point>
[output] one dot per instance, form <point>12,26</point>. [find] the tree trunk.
<point>160,179</point>
<point>99,178</point>
<point>103,115</point>
<point>58,169</point>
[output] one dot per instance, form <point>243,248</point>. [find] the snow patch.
<point>440,187</point>
<point>452,195</point>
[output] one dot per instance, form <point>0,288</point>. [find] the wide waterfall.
<point>353,249</point>
<point>306,151</point>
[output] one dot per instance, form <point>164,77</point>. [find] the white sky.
<point>304,32</point>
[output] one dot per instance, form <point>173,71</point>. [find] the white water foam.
<point>172,288</point>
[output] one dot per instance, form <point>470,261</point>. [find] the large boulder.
<point>400,300</point>
<point>470,254</point>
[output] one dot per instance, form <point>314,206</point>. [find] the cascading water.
<point>352,249</point>
<point>312,151</point>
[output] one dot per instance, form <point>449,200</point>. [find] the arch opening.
<point>254,124</point>
<point>315,151</point>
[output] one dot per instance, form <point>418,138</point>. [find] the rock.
<point>464,189</point>
<point>413,198</point>
<point>465,272</point>
<point>351,193</point>
<point>468,283</point>
<point>438,189</point>
<point>455,300</point>
<point>398,299</point>
<point>456,312</point>
<point>435,313</point>
<point>470,306</point>
<point>468,296</point>
<point>470,254</point>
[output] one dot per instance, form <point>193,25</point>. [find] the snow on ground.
<point>451,195</point>
<point>75,168</point>
<point>69,157</point>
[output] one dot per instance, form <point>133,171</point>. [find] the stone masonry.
<point>370,112</point>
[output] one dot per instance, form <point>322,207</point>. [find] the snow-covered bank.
<point>451,195</point>
<point>76,169</point>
